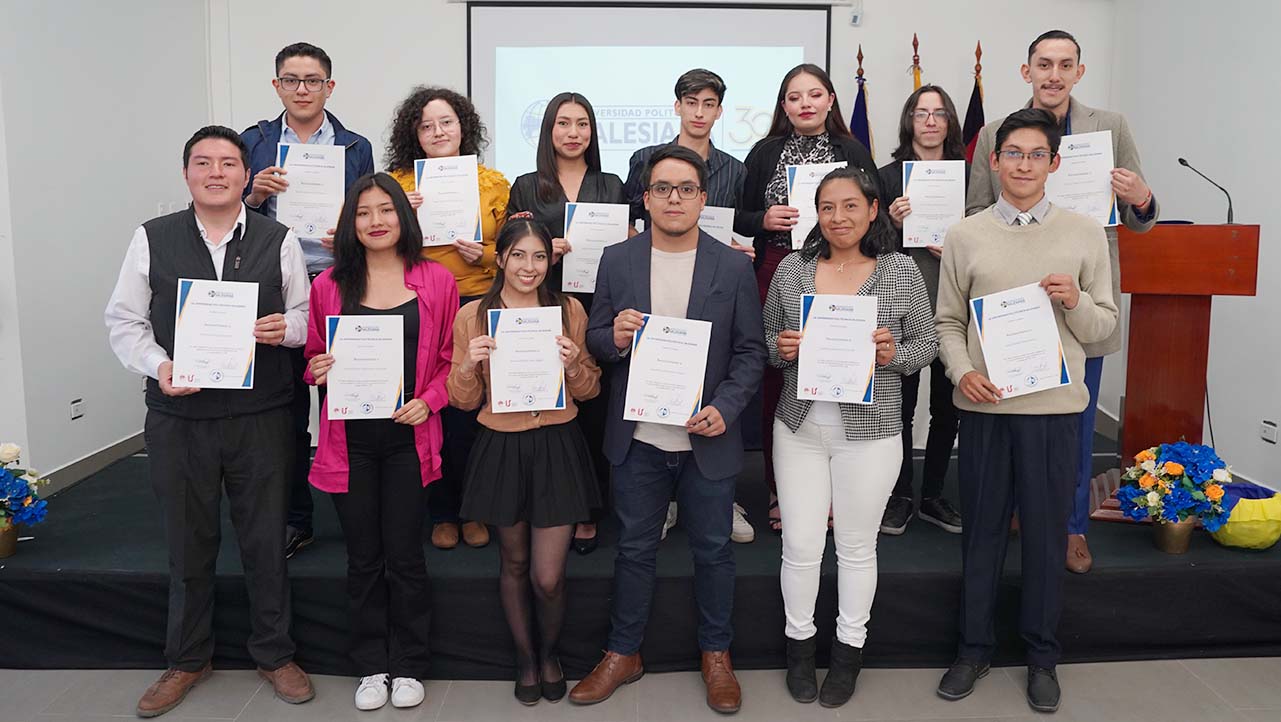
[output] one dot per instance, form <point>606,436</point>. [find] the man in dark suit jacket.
<point>674,269</point>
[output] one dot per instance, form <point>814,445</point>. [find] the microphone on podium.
<point>1184,162</point>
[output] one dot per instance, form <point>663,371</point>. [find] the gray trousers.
<point>191,463</point>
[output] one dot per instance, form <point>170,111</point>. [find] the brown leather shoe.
<point>1079,559</point>
<point>290,683</point>
<point>614,671</point>
<point>444,535</point>
<point>475,534</point>
<point>169,691</point>
<point>723,693</point>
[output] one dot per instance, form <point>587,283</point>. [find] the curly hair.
<point>403,147</point>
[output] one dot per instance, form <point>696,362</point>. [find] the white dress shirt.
<point>128,311</point>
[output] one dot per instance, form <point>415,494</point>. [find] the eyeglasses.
<point>1017,156</point>
<point>313,84</point>
<point>445,124</point>
<point>920,116</point>
<point>687,191</point>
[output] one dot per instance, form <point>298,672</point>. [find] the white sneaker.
<point>741,532</point>
<point>406,692</point>
<point>671,519</point>
<point>371,693</point>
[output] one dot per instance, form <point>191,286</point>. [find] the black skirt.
<point>542,476</point>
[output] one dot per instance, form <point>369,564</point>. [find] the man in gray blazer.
<point>674,269</point>
<point>1053,68</point>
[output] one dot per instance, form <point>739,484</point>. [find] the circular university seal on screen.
<point>531,122</point>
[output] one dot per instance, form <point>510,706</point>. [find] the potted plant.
<point>1175,485</point>
<point>20,501</point>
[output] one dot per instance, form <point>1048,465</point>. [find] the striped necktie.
<point>1023,219</point>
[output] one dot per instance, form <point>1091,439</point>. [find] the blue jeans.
<point>643,485</point>
<point>1080,519</point>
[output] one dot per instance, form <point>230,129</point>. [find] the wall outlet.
<point>77,408</point>
<point>1268,431</point>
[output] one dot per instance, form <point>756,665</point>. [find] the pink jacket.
<point>437,305</point>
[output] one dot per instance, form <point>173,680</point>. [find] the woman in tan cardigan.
<point>530,472</point>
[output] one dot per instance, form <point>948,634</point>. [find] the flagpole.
<point>916,63</point>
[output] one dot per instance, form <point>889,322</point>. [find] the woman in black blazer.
<point>807,128</point>
<point>568,162</point>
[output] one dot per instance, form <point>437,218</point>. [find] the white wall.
<point>13,402</point>
<point>98,100</point>
<point>1196,85</point>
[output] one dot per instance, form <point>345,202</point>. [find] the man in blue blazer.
<point>674,269</point>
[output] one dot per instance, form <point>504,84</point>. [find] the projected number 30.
<point>750,125</point>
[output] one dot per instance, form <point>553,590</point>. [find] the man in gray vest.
<point>200,441</point>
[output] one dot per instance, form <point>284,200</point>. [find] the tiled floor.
<point>1233,690</point>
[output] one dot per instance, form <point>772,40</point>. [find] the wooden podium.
<point>1171,272</point>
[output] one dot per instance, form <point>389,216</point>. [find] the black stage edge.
<point>90,592</point>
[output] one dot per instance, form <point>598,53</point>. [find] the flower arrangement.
<point>20,501</point>
<point>1172,482</point>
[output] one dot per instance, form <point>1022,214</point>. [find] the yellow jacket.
<point>473,280</point>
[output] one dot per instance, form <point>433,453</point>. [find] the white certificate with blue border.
<point>838,354</point>
<point>665,373</point>
<point>525,370</point>
<point>314,198</point>
<point>802,185</point>
<point>1083,182</point>
<point>450,188</point>
<point>936,190</point>
<point>590,228</point>
<point>367,380</point>
<point>1020,339</point>
<point>213,338</point>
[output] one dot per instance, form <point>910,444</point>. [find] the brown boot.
<point>475,534</point>
<point>444,535</point>
<point>169,691</point>
<point>723,693</point>
<point>614,671</point>
<point>1079,559</point>
<point>290,683</point>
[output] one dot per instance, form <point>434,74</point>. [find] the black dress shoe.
<point>296,539</point>
<point>1042,689</point>
<point>958,681</point>
<point>555,691</point>
<point>586,546</point>
<point>529,694</point>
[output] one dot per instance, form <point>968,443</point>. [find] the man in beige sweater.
<point>1053,69</point>
<point>1019,451</point>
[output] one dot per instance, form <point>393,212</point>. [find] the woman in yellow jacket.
<point>440,123</point>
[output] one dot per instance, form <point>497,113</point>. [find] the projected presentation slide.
<point>633,108</point>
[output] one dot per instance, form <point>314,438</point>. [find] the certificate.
<point>314,198</point>
<point>838,356</point>
<point>213,337</point>
<point>367,380</point>
<point>802,184</point>
<point>665,376</point>
<point>451,199</point>
<point>718,223</point>
<point>1083,182</point>
<point>936,189</point>
<point>589,228</point>
<point>1020,340</point>
<point>525,370</point>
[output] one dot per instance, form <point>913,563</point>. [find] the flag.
<point>974,113</point>
<point>916,77</point>
<point>859,125</point>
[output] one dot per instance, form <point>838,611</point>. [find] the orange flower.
<point>1147,481</point>
<point>1173,468</point>
<point>1213,492</point>
<point>1145,455</point>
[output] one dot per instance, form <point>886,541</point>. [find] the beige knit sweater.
<point>983,255</point>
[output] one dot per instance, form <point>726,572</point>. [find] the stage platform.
<point>90,592</point>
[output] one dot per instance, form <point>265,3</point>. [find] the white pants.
<point>817,469</point>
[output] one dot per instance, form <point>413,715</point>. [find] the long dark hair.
<point>879,237</point>
<point>548,181</point>
<point>351,269</point>
<point>515,230</point>
<point>403,147</point>
<point>782,125</point>
<point>953,147</point>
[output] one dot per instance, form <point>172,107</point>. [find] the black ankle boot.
<point>842,673</point>
<point>802,681</point>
